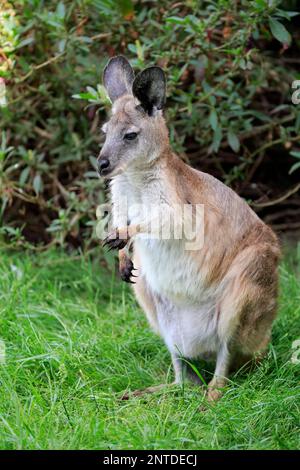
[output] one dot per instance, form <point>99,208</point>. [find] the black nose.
<point>103,164</point>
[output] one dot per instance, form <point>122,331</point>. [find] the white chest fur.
<point>166,264</point>
<point>186,309</point>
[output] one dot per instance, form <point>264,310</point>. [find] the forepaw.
<point>116,240</point>
<point>126,271</point>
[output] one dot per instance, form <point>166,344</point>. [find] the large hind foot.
<point>145,391</point>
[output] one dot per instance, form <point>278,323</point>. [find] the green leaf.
<point>213,119</point>
<point>102,93</point>
<point>294,168</point>
<point>233,141</point>
<point>94,162</point>
<point>92,91</point>
<point>24,176</point>
<point>176,20</point>
<point>279,31</point>
<point>37,184</point>
<point>217,139</point>
<point>62,45</point>
<point>259,115</point>
<point>295,154</point>
<point>84,96</point>
<point>25,42</point>
<point>60,10</point>
<point>261,3</point>
<point>287,14</point>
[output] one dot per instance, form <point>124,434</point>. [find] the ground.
<point>75,340</point>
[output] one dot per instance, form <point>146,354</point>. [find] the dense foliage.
<point>230,68</point>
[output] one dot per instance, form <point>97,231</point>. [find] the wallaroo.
<point>217,301</point>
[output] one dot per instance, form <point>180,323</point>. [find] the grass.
<point>75,340</point>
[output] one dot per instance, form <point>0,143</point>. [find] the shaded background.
<point>230,67</point>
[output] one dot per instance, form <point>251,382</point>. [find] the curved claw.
<point>126,272</point>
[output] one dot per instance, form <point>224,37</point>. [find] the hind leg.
<point>244,339</point>
<point>231,357</point>
<point>247,311</point>
<point>219,380</point>
<point>227,363</point>
<point>244,329</point>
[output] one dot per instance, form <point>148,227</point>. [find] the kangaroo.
<point>217,301</point>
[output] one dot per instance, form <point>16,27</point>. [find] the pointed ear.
<point>118,77</point>
<point>149,87</point>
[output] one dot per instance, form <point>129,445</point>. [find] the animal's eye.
<point>130,136</point>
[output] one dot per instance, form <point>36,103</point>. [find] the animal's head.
<point>136,133</point>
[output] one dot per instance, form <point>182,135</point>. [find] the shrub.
<point>230,67</point>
